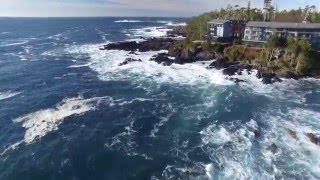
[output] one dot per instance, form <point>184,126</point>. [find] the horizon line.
<point>96,16</point>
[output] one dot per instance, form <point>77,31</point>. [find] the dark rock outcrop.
<point>230,67</point>
<point>292,133</point>
<point>132,52</point>
<point>177,31</point>
<point>257,133</point>
<point>156,44</point>
<point>204,55</point>
<point>288,75</point>
<point>152,44</point>
<point>268,78</point>
<point>273,148</point>
<point>126,46</point>
<point>230,71</point>
<point>162,58</point>
<point>314,138</point>
<point>221,64</point>
<point>191,53</point>
<point>237,80</point>
<point>129,60</point>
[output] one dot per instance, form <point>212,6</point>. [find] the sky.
<point>158,8</point>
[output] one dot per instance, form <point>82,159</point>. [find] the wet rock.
<point>126,46</point>
<point>180,61</point>
<point>269,80</point>
<point>276,79</point>
<point>292,133</point>
<point>156,44</point>
<point>267,77</point>
<point>259,75</point>
<point>236,69</point>
<point>273,148</point>
<point>129,60</point>
<point>221,64</point>
<point>186,54</point>
<point>177,31</point>
<point>132,52</point>
<point>288,75</point>
<point>257,133</point>
<point>152,44</point>
<point>237,80</point>
<point>162,58</point>
<point>205,55</point>
<point>230,70</point>
<point>266,80</point>
<point>314,138</point>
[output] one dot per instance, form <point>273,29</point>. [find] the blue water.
<point>68,111</point>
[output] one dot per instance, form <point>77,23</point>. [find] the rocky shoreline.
<point>180,55</point>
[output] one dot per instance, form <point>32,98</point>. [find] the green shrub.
<point>218,48</point>
<point>303,64</point>
<point>234,53</point>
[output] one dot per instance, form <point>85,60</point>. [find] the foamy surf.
<point>176,24</point>
<point>171,23</point>
<point>14,43</point>
<point>8,94</point>
<point>39,123</point>
<point>128,21</point>
<point>106,63</point>
<point>148,32</point>
<point>236,153</point>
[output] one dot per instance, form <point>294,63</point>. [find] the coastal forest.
<point>285,57</point>
<point>197,26</point>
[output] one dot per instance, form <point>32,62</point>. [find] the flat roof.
<point>222,21</point>
<point>283,25</point>
<point>218,21</point>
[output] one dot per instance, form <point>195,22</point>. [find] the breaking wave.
<point>171,23</point>
<point>128,21</point>
<point>8,94</point>
<point>106,63</point>
<point>273,143</point>
<point>147,32</point>
<point>14,43</point>
<point>220,129</point>
<point>39,123</point>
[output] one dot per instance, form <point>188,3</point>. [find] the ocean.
<point>68,111</point>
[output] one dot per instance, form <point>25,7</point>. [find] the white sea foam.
<point>148,32</point>
<point>230,143</point>
<point>80,65</point>
<point>287,130</point>
<point>103,35</point>
<point>11,147</point>
<point>8,94</point>
<point>13,43</point>
<point>289,133</point>
<point>39,123</point>
<point>288,90</point>
<point>156,127</point>
<point>209,171</point>
<point>176,24</point>
<point>171,23</point>
<point>106,64</point>
<point>128,21</point>
<point>59,36</point>
<point>216,136</point>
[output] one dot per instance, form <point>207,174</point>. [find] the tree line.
<point>197,28</point>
